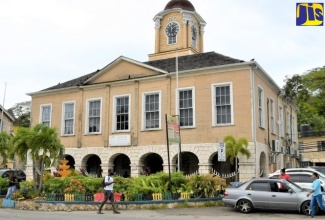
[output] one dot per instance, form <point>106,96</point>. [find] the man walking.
<point>109,193</point>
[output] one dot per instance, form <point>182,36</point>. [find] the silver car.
<point>276,194</point>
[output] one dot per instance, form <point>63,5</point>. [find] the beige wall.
<point>204,132</point>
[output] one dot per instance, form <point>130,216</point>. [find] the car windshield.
<point>293,186</point>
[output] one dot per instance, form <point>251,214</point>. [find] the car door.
<point>282,199</point>
<point>259,192</point>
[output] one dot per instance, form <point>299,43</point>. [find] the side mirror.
<point>290,191</point>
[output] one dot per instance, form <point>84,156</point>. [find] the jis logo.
<point>310,14</point>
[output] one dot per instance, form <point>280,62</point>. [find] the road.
<point>214,213</point>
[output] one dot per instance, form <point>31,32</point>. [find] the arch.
<point>71,160</point>
<point>151,163</point>
<point>263,166</point>
<point>223,167</point>
<point>189,160</point>
<point>121,164</point>
<point>92,164</point>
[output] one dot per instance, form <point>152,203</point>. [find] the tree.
<point>40,143</point>
<point>21,111</point>
<point>234,148</point>
<point>308,92</point>
<point>4,146</point>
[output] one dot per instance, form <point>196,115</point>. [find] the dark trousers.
<point>108,195</point>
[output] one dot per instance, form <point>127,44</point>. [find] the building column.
<point>135,170</point>
<point>247,171</point>
<point>157,37</point>
<point>205,168</point>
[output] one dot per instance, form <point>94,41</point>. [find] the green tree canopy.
<point>4,147</point>
<point>308,92</point>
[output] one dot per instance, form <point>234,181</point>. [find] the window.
<point>94,115</point>
<point>272,115</point>
<point>259,186</point>
<point>304,178</point>
<point>321,145</point>
<point>68,118</point>
<point>46,115</point>
<point>222,104</point>
<point>295,178</point>
<point>288,123</point>
<point>122,113</point>
<point>2,125</point>
<point>281,132</point>
<point>186,107</point>
<point>260,107</point>
<point>151,110</point>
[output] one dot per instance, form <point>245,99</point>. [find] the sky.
<point>46,42</point>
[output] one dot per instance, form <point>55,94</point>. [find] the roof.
<point>6,113</point>
<point>183,4</point>
<point>190,62</point>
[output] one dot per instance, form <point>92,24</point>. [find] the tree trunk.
<point>34,175</point>
<point>40,186</point>
<point>236,168</point>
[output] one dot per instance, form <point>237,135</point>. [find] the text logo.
<point>309,14</point>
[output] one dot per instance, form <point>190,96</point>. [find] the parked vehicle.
<point>294,170</point>
<point>302,179</point>
<point>20,174</point>
<point>276,194</point>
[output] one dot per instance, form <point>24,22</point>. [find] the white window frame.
<point>63,118</point>
<point>87,115</point>
<point>41,113</point>
<point>115,113</point>
<point>281,124</point>
<point>213,95</point>
<point>294,131</point>
<point>288,126</point>
<point>193,104</point>
<point>144,94</point>
<point>261,110</point>
<point>272,115</point>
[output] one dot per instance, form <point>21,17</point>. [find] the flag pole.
<point>3,107</point>
<point>178,113</point>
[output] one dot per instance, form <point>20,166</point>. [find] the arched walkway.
<point>151,163</point>
<point>121,164</point>
<point>263,167</point>
<point>189,162</point>
<point>92,164</point>
<point>71,160</point>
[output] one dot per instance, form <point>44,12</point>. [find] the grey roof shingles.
<point>190,62</point>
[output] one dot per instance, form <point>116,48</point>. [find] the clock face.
<point>194,32</point>
<point>172,29</point>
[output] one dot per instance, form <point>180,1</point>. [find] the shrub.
<point>75,187</point>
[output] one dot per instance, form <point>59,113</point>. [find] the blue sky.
<point>44,42</point>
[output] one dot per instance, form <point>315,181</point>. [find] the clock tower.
<point>178,27</point>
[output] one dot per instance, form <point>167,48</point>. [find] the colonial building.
<point>115,117</point>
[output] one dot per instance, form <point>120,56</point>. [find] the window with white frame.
<point>281,132</point>
<point>151,110</point>
<point>68,118</point>
<point>222,104</point>
<point>186,107</point>
<point>94,115</point>
<point>46,115</point>
<point>272,115</point>
<point>260,107</point>
<point>294,131</point>
<point>122,113</point>
<point>288,123</point>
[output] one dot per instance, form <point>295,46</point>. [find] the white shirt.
<point>109,179</point>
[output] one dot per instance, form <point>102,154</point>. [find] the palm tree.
<point>4,146</point>
<point>40,143</point>
<point>234,148</point>
<point>46,144</point>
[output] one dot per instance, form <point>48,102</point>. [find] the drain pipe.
<point>253,101</point>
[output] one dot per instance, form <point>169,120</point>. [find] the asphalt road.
<point>223,213</point>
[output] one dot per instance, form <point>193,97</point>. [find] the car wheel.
<point>245,206</point>
<point>305,208</point>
